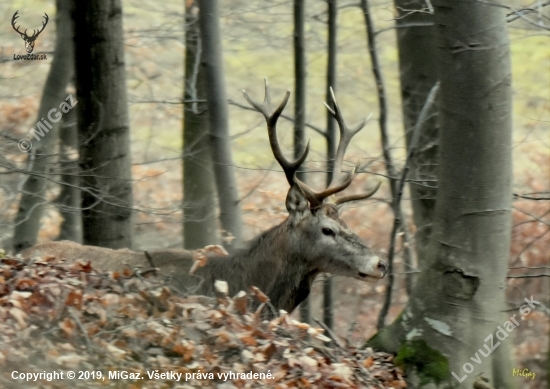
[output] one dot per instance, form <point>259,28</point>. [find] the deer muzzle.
<point>376,268</point>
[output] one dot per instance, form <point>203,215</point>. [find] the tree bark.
<point>332,14</point>
<point>300,81</point>
<point>418,74</point>
<point>399,217</point>
<point>300,86</point>
<point>43,156</point>
<point>218,120</point>
<point>444,328</point>
<point>103,127</point>
<point>200,227</point>
<point>69,200</point>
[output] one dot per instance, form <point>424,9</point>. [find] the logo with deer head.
<point>29,40</point>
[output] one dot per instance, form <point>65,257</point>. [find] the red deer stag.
<point>283,261</point>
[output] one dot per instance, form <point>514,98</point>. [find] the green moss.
<point>389,338</point>
<point>375,342</point>
<point>431,366</point>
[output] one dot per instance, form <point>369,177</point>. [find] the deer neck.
<point>279,271</point>
<point>270,264</point>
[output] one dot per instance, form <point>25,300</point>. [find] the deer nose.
<point>382,267</point>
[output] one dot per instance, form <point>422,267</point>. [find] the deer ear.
<point>296,202</point>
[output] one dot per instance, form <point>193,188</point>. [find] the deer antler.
<point>24,34</point>
<point>316,199</point>
<point>271,117</point>
<point>346,134</point>
<point>345,138</point>
<point>13,21</point>
<point>361,196</point>
<point>35,34</point>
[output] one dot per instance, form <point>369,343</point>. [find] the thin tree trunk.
<point>332,14</point>
<point>300,80</point>
<point>381,93</point>
<point>68,201</point>
<point>103,126</point>
<point>200,226</point>
<point>445,328</point>
<point>218,119</point>
<point>418,73</point>
<point>43,156</point>
<point>399,217</point>
<point>300,86</point>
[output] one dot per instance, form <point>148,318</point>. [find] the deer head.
<point>316,234</point>
<point>29,40</point>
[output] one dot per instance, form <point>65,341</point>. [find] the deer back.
<point>173,263</point>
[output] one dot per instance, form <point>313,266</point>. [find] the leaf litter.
<point>58,316</point>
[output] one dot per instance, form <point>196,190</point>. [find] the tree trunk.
<point>68,201</point>
<point>399,217</point>
<point>444,333</point>
<point>418,74</point>
<point>200,227</point>
<point>43,156</point>
<point>332,14</point>
<point>300,86</point>
<point>300,81</point>
<point>103,127</point>
<point>218,120</point>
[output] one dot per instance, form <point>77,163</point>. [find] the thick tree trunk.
<point>104,135</point>
<point>418,74</point>
<point>27,220</point>
<point>446,328</point>
<point>218,120</point>
<point>200,226</point>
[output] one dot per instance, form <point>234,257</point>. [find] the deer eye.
<point>327,231</point>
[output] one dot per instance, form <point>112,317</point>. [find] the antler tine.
<point>363,196</point>
<point>337,184</point>
<point>271,117</point>
<point>35,32</point>
<point>346,135</point>
<point>14,20</point>
<point>316,198</point>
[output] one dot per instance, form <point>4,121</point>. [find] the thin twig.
<point>260,182</point>
<point>291,119</point>
<point>142,272</point>
<point>530,276</point>
<point>526,197</point>
<point>397,216</point>
<point>351,330</point>
<point>538,219</point>
<point>149,259</point>
<point>330,333</point>
<point>321,349</point>
<point>526,247</point>
<point>89,346</point>
<point>388,160</point>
